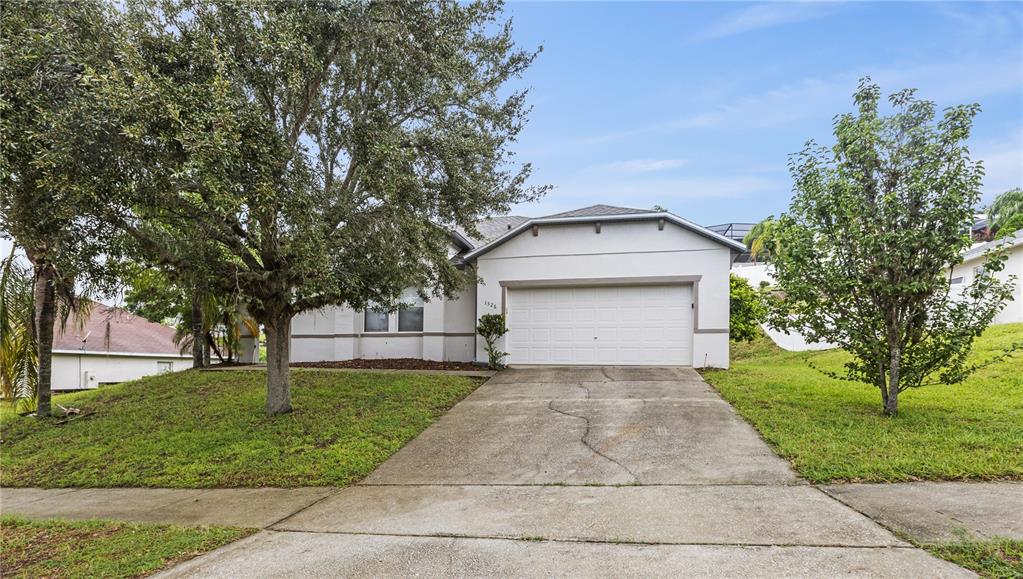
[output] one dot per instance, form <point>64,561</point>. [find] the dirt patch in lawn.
<point>389,364</point>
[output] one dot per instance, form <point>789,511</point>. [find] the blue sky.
<point>696,106</point>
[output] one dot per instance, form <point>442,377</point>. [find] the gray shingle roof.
<point>493,227</point>
<point>598,210</point>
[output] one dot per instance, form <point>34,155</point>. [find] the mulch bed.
<point>390,364</point>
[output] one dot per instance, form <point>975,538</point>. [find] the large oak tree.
<point>320,151</point>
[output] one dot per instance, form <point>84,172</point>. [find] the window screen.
<point>376,321</point>
<point>410,318</point>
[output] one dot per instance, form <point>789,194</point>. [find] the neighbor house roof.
<point>111,330</point>
<point>603,213</point>
<point>1010,241</point>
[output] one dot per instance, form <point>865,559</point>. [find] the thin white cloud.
<point>759,17</point>
<point>632,166</point>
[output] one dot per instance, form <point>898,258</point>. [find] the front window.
<point>164,367</point>
<point>410,318</point>
<point>376,320</point>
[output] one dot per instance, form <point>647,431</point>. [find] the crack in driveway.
<point>586,433</point>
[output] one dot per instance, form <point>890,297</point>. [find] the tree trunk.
<point>45,313</point>
<point>198,337</point>
<point>891,402</point>
<point>278,353</point>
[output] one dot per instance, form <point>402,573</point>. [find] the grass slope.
<point>209,429</point>
<point>833,430</point>
<point>101,548</point>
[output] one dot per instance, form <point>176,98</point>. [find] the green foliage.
<point>48,142</point>
<point>56,548</point>
<point>830,430</point>
<point>492,327</point>
<point>204,428</point>
<point>762,240</point>
<point>153,295</point>
<point>18,364</point>
<point>1010,226</point>
<point>312,154</point>
<point>864,249</point>
<point>1005,208</point>
<point>747,310</point>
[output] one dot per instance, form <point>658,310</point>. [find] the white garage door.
<point>614,325</point>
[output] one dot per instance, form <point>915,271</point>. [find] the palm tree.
<point>761,239</point>
<point>19,354</point>
<point>221,326</point>
<point>1004,207</point>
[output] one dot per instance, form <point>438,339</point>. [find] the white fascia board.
<point>123,354</point>
<point>683,223</point>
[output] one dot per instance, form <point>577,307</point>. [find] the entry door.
<point>605,325</point>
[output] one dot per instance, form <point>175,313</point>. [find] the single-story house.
<point>973,264</point>
<point>599,285</point>
<point>113,345</point>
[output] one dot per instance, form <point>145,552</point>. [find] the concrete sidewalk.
<point>251,508</point>
<point>936,512</point>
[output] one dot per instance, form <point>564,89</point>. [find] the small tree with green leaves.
<point>492,327</point>
<point>747,310</point>
<point>875,223</point>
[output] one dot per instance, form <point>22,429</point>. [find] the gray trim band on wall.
<point>600,281</point>
<point>712,331</point>
<point>388,335</point>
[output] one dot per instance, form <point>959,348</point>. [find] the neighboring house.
<point>598,285</point>
<point>114,345</point>
<point>973,264</point>
<point>960,276</point>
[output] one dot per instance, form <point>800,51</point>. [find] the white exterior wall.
<point>337,333</point>
<point>621,250</point>
<point>70,368</point>
<point>1013,310</point>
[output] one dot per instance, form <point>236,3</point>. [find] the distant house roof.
<point>599,211</point>
<point>1010,241</point>
<point>111,330</point>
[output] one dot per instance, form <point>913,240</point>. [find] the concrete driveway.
<point>581,472</point>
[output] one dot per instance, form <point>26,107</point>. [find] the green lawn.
<point>996,558</point>
<point>101,548</point>
<point>209,429</point>
<point>833,430</point>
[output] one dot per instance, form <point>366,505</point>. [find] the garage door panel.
<point>601,325</point>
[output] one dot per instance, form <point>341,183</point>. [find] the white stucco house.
<point>973,264</point>
<point>113,345</point>
<point>600,285</point>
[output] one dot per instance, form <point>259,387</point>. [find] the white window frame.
<point>164,366</point>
